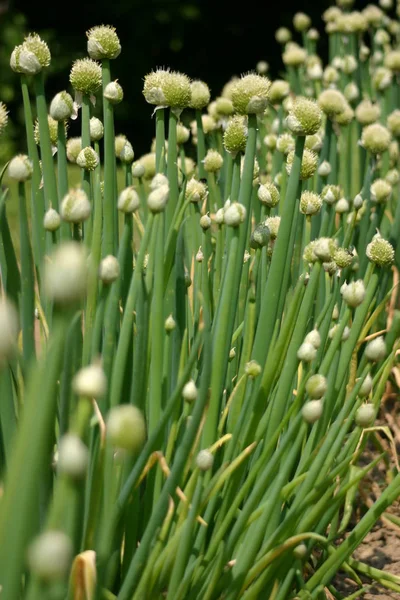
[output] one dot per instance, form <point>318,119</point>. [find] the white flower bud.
<point>314,338</point>
<point>20,168</point>
<point>219,216</point>
<point>169,324</point>
<point>138,170</point>
<point>307,352</point>
<point>252,369</point>
<point>324,169</point>
<point>128,200</point>
<point>365,415</point>
<point>73,456</point>
<point>199,255</point>
<point>158,198</point>
<point>65,276</point>
<point>376,349</point>
<point>50,555</point>
<point>126,428</point>
<point>353,293</point>
<point>96,129</point>
<point>358,202</point>
<point>8,329</point>
<point>300,551</point>
<point>90,382</point>
<point>234,214</point>
<point>204,460</point>
<point>62,106</point>
<point>109,269</point>
<point>75,206</point>
<point>366,387</point>
<point>312,411</point>
<point>205,222</point>
<point>127,154</point>
<point>316,386</point>
<point>342,206</point>
<point>189,391</point>
<point>113,92</point>
<point>51,220</point>
<point>88,159</point>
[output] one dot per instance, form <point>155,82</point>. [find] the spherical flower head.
<point>294,56</point>
<point>312,411</point>
<point>301,21</point>
<point>307,352</point>
<point>260,237</point>
<point>270,141</point>
<point>305,117</point>
<point>204,460</point>
<point>182,134</point>
<point>9,328</point>
<point>126,428</point>
<point>152,88</point>
<point>250,94</point>
<point>189,391</point>
<point>196,191</point>
<point>332,102</point>
<point>273,224</point>
<point>314,142</point>
<point>235,135</point>
<point>381,191</point>
<point>310,203</point>
<point>109,270</point>
<point>213,161</point>
<point>367,112</point>
<point>324,249</point>
<point>331,14</point>
<point>88,159</point>
<point>268,194</point>
<point>74,146</point>
<point>51,220</point>
<point>20,168</point>
<point>65,275</point>
<point>376,350</point>
<point>373,14</point>
<point>50,555</point>
<point>308,255</point>
<point>375,138</point>
<point>278,91</point>
<point>157,199</point>
<point>224,107</point>
<point>392,61</point>
<point>234,214</point>
<point>113,92</point>
<point>309,163</point>
<point>393,123</point>
<point>342,257</point>
<point>285,143</point>
<point>3,117</point>
<point>380,251</point>
<point>86,76</point>
<point>382,78</point>
<point>128,200</point>
<point>73,457</point>
<point>349,64</point>
<point>62,106</point>
<point>365,415</point>
<point>283,35</point>
<point>176,90</point>
<point>354,22</point>
<point>316,386</point>
<point>32,56</point>
<point>103,42</point>
<point>148,161</point>
<point>200,94</point>
<point>53,131</point>
<point>353,293</point>
<point>75,206</point>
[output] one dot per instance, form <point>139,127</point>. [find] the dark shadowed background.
<point>207,39</point>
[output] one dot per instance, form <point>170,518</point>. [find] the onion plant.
<point>192,364</point>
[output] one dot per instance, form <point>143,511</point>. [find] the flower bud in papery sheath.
<point>310,203</point>
<point>8,329</point>
<point>309,163</point>
<point>182,134</point>
<point>189,392</point>
<point>342,206</point>
<point>200,95</point>
<point>50,555</point>
<point>213,161</point>
<point>307,352</point>
<point>358,202</point>
<point>349,64</point>
<point>252,369</point>
<point>260,237</point>
<point>138,170</point>
<point>324,169</point>
<point>73,457</point>
<point>353,293</point>
<point>90,382</point>
<point>199,255</point>
<point>31,57</point>
<point>366,387</point>
<point>169,324</point>
<point>381,191</point>
<point>314,71</point>
<point>285,143</point>
<point>205,222</point>
<point>103,42</point>
<point>325,248</point>
<point>351,92</point>
<point>109,270</point>
<point>380,251</point>
<point>158,198</point>
<point>367,112</point>
<point>331,194</point>
<point>278,91</point>
<point>342,257</point>
<point>235,135</point>
<point>273,224</point>
<point>75,206</point>
<point>86,76</point>
<point>376,349</point>
<point>128,200</point>
<point>393,123</point>
<point>219,216</point>
<point>250,94</point>
<point>393,176</point>
<point>119,143</point>
<point>316,386</point>
<point>365,415</point>
<point>158,180</point>
<point>113,92</point>
<point>51,220</point>
<point>270,141</point>
<point>232,354</point>
<point>196,191</point>
<point>294,55</point>
<point>392,61</point>
<point>312,411</point>
<point>189,165</point>
<point>127,154</point>
<point>382,78</point>
<point>88,159</point>
<point>65,273</point>
<point>148,161</point>
<point>126,428</point>
<point>332,102</point>
<point>330,267</point>
<point>375,138</point>
<point>152,88</point>
<point>300,551</point>
<point>235,214</point>
<point>314,142</point>
<point>268,194</point>
<point>305,117</point>
<point>301,21</point>
<point>20,168</point>
<point>313,338</point>
<point>74,146</point>
<point>204,460</point>
<point>283,35</point>
<point>62,106</point>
